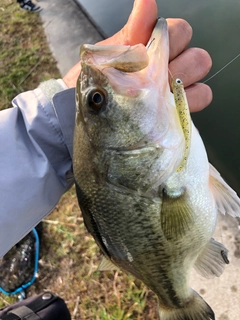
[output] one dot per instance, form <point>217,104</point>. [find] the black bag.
<point>45,306</point>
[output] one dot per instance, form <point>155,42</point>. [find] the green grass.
<point>68,264</point>
<point>25,58</point>
<point>69,256</point>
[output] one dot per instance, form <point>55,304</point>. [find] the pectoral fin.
<point>212,260</point>
<point>106,265</point>
<point>176,216</point>
<point>227,201</point>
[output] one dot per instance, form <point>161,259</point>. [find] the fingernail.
<point>135,3</point>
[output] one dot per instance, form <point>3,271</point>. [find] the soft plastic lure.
<point>184,117</point>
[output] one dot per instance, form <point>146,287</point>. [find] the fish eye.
<point>178,81</point>
<point>96,99</point>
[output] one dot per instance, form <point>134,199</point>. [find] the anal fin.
<point>212,260</point>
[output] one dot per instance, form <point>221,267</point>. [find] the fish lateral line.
<point>182,108</point>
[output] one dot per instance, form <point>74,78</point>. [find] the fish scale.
<point>148,241</point>
<point>118,230</point>
<point>103,201</point>
<point>145,188</point>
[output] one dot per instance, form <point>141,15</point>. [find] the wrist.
<point>52,86</point>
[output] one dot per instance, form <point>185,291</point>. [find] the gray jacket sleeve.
<point>35,158</point>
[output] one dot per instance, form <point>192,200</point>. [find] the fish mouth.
<point>158,52</point>
<point>159,37</point>
<point>131,59</point>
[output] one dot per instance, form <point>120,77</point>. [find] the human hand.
<point>191,65</point>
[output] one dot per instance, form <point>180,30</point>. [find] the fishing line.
<point>149,44</point>
<point>172,76</point>
<point>222,68</point>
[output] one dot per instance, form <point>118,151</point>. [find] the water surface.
<point>216,26</point>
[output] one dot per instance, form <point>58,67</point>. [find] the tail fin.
<point>195,309</point>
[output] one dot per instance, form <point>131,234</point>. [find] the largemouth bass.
<point>146,190</point>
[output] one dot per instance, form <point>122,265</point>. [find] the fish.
<point>146,190</point>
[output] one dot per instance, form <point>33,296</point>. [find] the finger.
<point>199,96</point>
<point>139,26</point>
<point>180,34</point>
<point>71,76</point>
<point>191,66</point>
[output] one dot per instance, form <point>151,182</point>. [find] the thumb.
<point>139,26</point>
